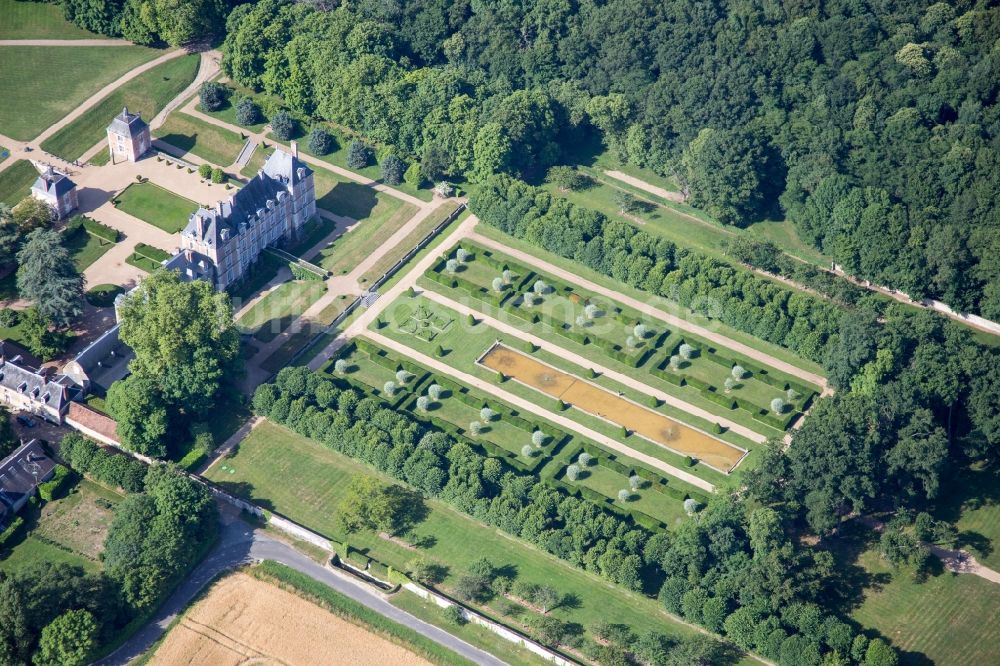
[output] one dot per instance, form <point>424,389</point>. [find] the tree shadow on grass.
<point>350,200</point>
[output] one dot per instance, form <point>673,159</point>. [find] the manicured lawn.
<point>146,94</point>
<point>193,135</point>
<point>433,247</point>
<point>271,456</point>
<point>608,482</point>
<point>156,205</point>
<point>228,111</point>
<point>386,218</point>
<point>33,102</point>
<point>473,634</point>
<point>273,313</point>
<point>463,345</point>
<point>344,197</point>
<point>973,505</point>
<point>610,283</point>
<point>15,182</point>
<point>948,619</point>
<point>71,529</point>
<point>84,248</point>
<point>23,19</point>
<point>389,259</point>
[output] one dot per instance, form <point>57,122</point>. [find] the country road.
<point>240,543</point>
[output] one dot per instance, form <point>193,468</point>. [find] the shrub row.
<point>54,487</point>
<point>13,527</point>
<point>154,254</point>
<point>474,290</point>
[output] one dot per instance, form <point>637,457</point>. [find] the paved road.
<point>240,543</point>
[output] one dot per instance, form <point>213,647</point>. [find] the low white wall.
<point>498,629</point>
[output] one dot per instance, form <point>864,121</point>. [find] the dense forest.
<point>872,126</point>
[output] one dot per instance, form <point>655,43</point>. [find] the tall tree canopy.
<point>47,277</point>
<point>872,126</point>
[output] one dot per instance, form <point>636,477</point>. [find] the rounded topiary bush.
<point>247,112</point>
<point>321,142</point>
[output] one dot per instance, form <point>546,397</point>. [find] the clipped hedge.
<point>154,254</point>
<point>54,487</point>
<point>102,231</point>
<point>13,527</point>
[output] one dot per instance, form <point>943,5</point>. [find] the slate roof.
<point>127,124</point>
<point>21,472</point>
<point>280,170</point>
<point>54,183</point>
<point>20,378</point>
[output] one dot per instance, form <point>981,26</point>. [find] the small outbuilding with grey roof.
<point>57,190</point>
<point>22,472</point>
<point>128,137</point>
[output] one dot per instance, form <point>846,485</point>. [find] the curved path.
<point>240,543</point>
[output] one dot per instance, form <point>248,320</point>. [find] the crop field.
<point>245,620</point>
<point>71,530</point>
<point>610,407</point>
<point>32,103</point>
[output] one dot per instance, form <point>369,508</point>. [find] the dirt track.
<point>247,621</point>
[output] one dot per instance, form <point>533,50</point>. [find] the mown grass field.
<point>193,135</point>
<point>273,313</point>
<point>24,19</point>
<point>39,85</point>
<point>158,206</point>
<point>271,456</point>
<point>84,248</point>
<point>15,181</point>
<point>386,218</point>
<point>145,94</point>
<point>71,530</point>
<point>949,619</point>
<point>973,505</point>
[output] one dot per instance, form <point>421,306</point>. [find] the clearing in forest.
<point>243,620</point>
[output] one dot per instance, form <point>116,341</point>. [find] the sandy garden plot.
<point>610,407</point>
<point>247,621</point>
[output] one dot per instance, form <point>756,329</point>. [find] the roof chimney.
<point>295,149</point>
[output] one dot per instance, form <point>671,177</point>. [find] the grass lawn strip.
<point>389,259</point>
<point>156,205</point>
<point>433,246</point>
<point>193,135</point>
<point>37,20</point>
<point>473,634</point>
<point>276,311</point>
<point>591,275</point>
<point>146,94</point>
<point>388,216</point>
<point>32,103</point>
<point>270,455</point>
<point>16,181</point>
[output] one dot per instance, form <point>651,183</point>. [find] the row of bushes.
<point>54,487</point>
<point>475,291</point>
<point>11,529</point>
<point>106,466</point>
<point>154,254</point>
